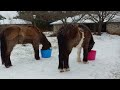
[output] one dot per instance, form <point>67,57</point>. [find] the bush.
<point>45,26</point>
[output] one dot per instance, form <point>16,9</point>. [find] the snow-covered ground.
<point>106,65</point>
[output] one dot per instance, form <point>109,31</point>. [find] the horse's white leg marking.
<point>78,54</point>
<point>79,47</point>
<point>65,70</point>
<point>85,62</point>
<point>61,70</point>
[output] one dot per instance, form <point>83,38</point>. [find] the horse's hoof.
<point>85,62</point>
<point>37,58</point>
<point>3,63</point>
<point>7,66</point>
<point>78,61</point>
<point>66,69</point>
<point>61,70</point>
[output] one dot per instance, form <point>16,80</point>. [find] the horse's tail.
<point>3,46</point>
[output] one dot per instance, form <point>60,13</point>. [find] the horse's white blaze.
<point>79,47</point>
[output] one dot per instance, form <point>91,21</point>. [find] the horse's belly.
<point>27,41</point>
<point>22,40</point>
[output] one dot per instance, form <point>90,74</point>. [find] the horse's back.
<point>29,30</point>
<point>68,31</point>
<point>20,33</point>
<point>10,32</point>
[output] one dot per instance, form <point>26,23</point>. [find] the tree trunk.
<point>95,28</point>
<point>100,27</point>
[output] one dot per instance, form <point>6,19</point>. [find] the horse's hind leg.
<point>10,45</point>
<point>3,57</point>
<point>3,50</point>
<point>36,50</point>
<point>7,60</point>
<point>64,60</point>
<point>61,63</point>
<point>66,63</point>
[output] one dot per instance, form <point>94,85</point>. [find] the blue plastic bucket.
<point>46,53</point>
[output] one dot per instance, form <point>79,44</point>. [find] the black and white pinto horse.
<point>70,36</point>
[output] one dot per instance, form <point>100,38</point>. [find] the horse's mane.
<point>34,27</point>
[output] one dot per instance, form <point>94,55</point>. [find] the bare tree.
<point>1,17</point>
<point>100,17</point>
<point>48,15</point>
<point>51,16</point>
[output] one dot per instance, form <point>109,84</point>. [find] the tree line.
<point>43,18</point>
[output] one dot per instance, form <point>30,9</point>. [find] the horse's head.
<point>91,44</point>
<point>46,46</point>
<point>44,41</point>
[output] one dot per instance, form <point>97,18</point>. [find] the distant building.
<point>113,27</point>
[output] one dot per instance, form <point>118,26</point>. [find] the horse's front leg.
<point>85,54</point>
<point>37,57</point>
<point>78,54</point>
<point>36,50</point>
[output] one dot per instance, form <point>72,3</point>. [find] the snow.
<point>115,19</point>
<point>9,18</point>
<point>77,17</point>
<point>106,65</point>
<point>70,19</point>
<point>14,21</point>
<point>9,14</point>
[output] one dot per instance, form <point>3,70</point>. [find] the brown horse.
<point>15,34</point>
<point>70,36</point>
